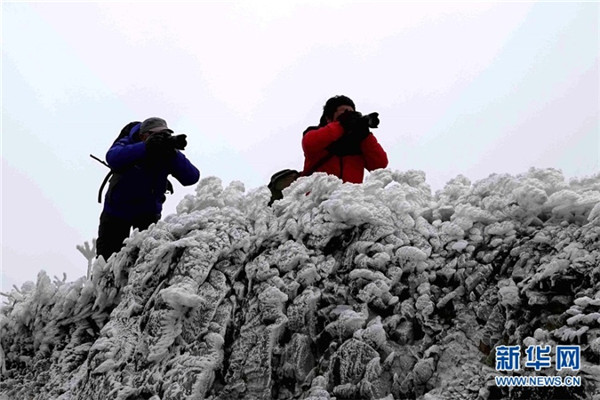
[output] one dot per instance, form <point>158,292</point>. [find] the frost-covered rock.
<point>372,291</point>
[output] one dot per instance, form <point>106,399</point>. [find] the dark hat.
<point>154,124</point>
<point>332,105</point>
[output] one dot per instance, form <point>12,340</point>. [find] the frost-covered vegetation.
<point>339,291</point>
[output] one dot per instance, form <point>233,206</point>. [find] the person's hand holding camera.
<point>356,129</point>
<point>160,146</point>
<point>349,119</point>
<point>360,128</point>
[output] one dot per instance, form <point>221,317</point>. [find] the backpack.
<point>284,178</point>
<point>124,133</point>
<point>279,181</point>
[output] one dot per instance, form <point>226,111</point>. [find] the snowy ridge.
<point>339,291</point>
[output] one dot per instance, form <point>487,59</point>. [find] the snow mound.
<point>338,291</point>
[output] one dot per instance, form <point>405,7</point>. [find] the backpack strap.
<point>316,166</point>
<point>111,173</point>
<point>170,187</point>
<point>106,178</point>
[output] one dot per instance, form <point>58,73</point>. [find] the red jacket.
<point>349,168</point>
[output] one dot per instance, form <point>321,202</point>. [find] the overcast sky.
<point>461,88</point>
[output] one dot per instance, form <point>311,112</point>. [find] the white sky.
<point>462,88</point>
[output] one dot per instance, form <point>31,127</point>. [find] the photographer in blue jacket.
<point>141,163</point>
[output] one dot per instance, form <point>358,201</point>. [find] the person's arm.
<point>317,140</point>
<point>183,170</point>
<point>373,154</point>
<point>124,153</point>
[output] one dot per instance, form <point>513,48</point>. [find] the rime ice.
<point>374,291</point>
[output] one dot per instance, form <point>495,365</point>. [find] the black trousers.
<point>114,230</point>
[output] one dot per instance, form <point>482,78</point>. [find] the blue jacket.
<point>137,186</point>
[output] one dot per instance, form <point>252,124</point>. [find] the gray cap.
<point>154,124</point>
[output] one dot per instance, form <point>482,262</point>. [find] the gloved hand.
<point>361,130</point>
<point>349,143</point>
<point>159,147</point>
<point>348,119</point>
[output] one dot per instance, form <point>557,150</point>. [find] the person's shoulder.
<point>126,140</point>
<point>310,128</point>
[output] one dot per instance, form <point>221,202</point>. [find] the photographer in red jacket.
<point>342,144</point>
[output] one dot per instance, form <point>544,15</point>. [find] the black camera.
<point>173,141</point>
<point>178,141</point>
<point>372,119</point>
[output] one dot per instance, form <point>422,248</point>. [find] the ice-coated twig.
<point>89,253</point>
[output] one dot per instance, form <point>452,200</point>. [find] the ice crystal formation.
<point>338,291</point>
